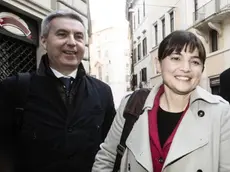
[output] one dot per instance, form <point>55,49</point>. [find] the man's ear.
<point>158,65</point>
<point>44,42</point>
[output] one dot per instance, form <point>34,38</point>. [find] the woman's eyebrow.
<point>178,53</point>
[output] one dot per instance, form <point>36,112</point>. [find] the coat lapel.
<point>191,134</point>
<point>138,142</point>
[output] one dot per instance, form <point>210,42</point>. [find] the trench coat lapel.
<point>138,142</point>
<point>193,131</point>
<point>191,134</point>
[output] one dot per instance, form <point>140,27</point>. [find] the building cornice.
<point>30,8</point>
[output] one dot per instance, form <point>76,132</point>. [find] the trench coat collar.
<point>197,94</point>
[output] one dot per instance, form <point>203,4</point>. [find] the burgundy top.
<point>159,153</point>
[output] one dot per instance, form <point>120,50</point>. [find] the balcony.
<point>215,11</point>
<point>204,12</point>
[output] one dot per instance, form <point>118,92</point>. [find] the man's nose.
<point>71,40</point>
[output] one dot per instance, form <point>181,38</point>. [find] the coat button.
<point>200,113</point>
<point>199,170</point>
<point>34,136</point>
<point>70,129</point>
<point>161,160</point>
<point>129,167</point>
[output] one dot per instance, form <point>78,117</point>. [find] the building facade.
<point>20,21</point>
<point>110,60</point>
<point>153,20</point>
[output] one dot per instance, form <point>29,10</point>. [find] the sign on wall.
<point>14,24</point>
<point>18,25</point>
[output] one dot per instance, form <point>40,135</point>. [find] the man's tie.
<point>66,82</point>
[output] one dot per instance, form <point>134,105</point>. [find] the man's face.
<point>181,72</point>
<point>65,43</point>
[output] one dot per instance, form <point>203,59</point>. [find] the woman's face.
<point>181,72</point>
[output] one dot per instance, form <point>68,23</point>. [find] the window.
<point>214,40</point>
<point>144,8</point>
<point>134,80</point>
<point>163,28</point>
<point>171,21</point>
<point>144,75</point>
<point>144,44</point>
<point>156,34</point>
<point>195,9</point>
<point>138,13</point>
<point>134,56</point>
<point>139,51</point>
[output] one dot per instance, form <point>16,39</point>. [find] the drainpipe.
<point>130,17</point>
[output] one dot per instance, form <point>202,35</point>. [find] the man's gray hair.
<point>45,26</point>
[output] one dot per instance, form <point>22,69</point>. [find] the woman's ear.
<point>158,65</point>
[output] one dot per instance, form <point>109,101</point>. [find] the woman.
<point>183,128</point>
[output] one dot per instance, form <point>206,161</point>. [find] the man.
<point>67,113</point>
<point>225,84</point>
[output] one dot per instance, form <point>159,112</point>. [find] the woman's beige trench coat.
<point>201,143</point>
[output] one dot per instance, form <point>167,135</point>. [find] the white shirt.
<point>59,75</point>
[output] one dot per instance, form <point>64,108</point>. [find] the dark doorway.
<point>215,89</point>
<point>16,56</point>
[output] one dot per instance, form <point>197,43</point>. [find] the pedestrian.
<point>225,84</point>
<point>182,126</point>
<point>67,113</point>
